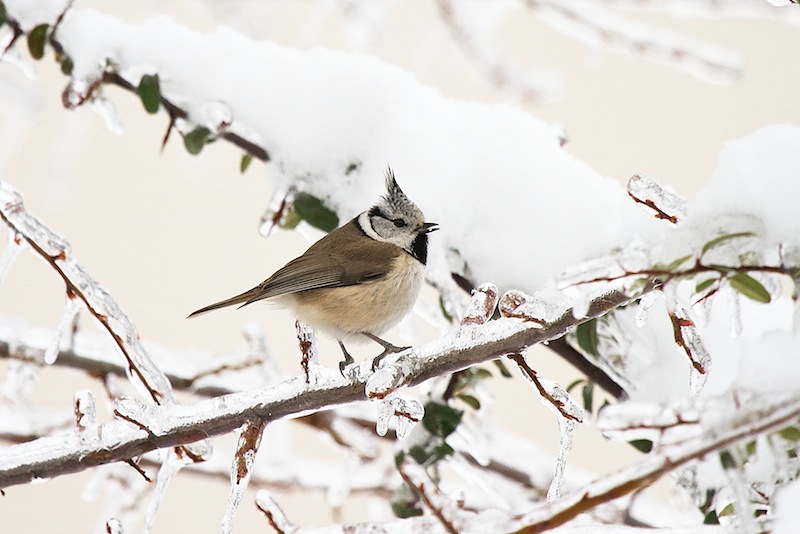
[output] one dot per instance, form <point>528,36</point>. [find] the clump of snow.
<point>757,175</point>
<point>332,121</point>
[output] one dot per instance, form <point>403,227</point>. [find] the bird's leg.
<point>388,348</point>
<point>347,358</point>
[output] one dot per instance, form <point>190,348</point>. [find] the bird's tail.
<point>242,299</point>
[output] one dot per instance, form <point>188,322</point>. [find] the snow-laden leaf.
<point>314,212</point>
<point>36,40</point>
<point>750,287</point>
<point>705,284</point>
<point>150,92</point>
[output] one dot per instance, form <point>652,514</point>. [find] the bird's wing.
<point>315,270</point>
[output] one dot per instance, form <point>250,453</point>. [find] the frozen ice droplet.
<point>86,415</point>
<point>408,412</point>
<point>114,526</point>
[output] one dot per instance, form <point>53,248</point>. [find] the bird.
<point>359,280</point>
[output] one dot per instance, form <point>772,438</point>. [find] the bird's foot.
<point>387,350</point>
<point>348,360</point>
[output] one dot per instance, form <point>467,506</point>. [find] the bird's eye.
<point>399,223</point>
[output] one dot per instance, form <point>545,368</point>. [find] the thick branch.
<point>175,425</point>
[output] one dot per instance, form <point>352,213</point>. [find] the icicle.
<point>20,378</point>
<point>645,303</point>
<point>735,310</point>
<point>114,526</point>
<point>86,416</point>
<point>71,310</point>
<point>385,412</point>
<point>276,211</point>
<point>688,339</point>
<point>408,412</point>
<point>566,429</point>
<point>9,254</point>
<point>275,515</point>
<point>171,464</point>
<point>242,469</point>
<point>108,112</point>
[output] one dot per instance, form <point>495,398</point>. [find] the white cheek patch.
<point>366,226</point>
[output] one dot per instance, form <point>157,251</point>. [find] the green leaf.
<point>790,433</point>
<point>504,372</point>
<point>575,383</point>
<point>399,457</point>
<point>3,14</point>
<point>727,461</point>
<point>586,334</point>
<point>721,239</point>
<point>314,212</point>
<point>711,518</point>
<point>440,452</point>
<point>67,65</point>
<point>36,40</point>
<point>150,92</point>
<point>588,396</point>
<point>247,159</point>
<point>727,510</point>
<point>642,445</point>
<point>750,448</point>
<point>405,502</point>
<point>195,140</point>
<point>443,309</point>
<point>419,453</point>
<point>473,402</point>
<point>705,284</point>
<point>440,419</point>
<point>677,263</point>
<point>749,287</point>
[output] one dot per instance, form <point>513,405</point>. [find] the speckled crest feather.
<point>397,199</point>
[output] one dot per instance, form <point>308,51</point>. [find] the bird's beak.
<point>430,227</point>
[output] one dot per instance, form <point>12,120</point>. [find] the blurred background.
<point>167,232</point>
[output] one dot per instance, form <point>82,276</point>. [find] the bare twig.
<point>533,377</point>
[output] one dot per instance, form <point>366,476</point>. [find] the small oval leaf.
<point>586,334</point>
<point>150,92</point>
<point>721,239</point>
<point>195,140</point>
<point>67,65</point>
<point>471,401</point>
<point>642,445</point>
<point>705,284</point>
<point>36,40</point>
<point>678,262</point>
<point>3,14</point>
<point>440,419</point>
<point>750,287</point>
<point>314,212</point>
<point>247,159</point>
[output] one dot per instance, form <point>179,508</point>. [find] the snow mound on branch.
<point>505,192</point>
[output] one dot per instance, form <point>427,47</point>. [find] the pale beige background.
<point>166,233</point>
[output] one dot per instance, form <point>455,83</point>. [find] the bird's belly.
<point>372,307</point>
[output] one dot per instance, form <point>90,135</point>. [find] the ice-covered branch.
<point>171,425</point>
<point>597,26</point>
<point>761,416</point>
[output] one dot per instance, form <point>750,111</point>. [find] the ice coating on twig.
<point>406,412</point>
<point>667,205</point>
<point>482,305</point>
<point>276,517</point>
<point>9,254</point>
<point>172,462</point>
<point>114,526</point>
<point>537,309</point>
<point>643,308</point>
<point>107,111</point>
<point>276,211</point>
<point>395,372</point>
<point>242,469</point>
<point>72,308</point>
<point>307,339</point>
<point>86,416</point>
<point>56,251</point>
<point>688,339</point>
